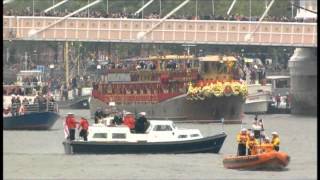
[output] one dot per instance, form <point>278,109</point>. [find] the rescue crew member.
<point>242,138</point>
<point>84,125</point>
<point>266,145</point>
<point>251,144</point>
<point>71,124</point>
<point>275,141</point>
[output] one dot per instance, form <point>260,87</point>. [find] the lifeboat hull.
<point>266,161</point>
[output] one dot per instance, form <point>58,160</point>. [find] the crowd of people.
<point>130,15</point>
<point>255,141</point>
<point>138,124</point>
<point>20,106</point>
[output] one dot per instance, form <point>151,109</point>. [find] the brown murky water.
<point>40,155</point>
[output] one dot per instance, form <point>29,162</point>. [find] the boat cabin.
<point>280,84</point>
<point>158,131</point>
<point>215,67</point>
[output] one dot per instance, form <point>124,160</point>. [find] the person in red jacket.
<point>128,119</point>
<point>84,125</point>
<point>71,124</point>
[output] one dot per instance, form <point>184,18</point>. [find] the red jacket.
<point>129,121</point>
<point>71,122</point>
<point>84,124</point>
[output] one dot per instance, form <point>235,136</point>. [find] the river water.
<point>40,155</point>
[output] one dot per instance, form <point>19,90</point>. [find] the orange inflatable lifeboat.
<point>271,160</point>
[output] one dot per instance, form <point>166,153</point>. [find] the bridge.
<point>178,31</point>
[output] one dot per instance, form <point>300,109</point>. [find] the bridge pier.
<point>303,72</point>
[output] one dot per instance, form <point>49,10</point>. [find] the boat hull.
<point>256,107</point>
<point>179,108</point>
<point>79,103</point>
<point>211,144</point>
<point>267,161</point>
<point>31,121</point>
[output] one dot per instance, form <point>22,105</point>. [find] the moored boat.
<point>28,113</point>
<point>160,137</point>
<point>31,121</point>
<point>272,160</point>
<point>81,102</point>
<point>175,87</point>
<point>259,99</point>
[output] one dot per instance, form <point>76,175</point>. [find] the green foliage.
<point>205,7</point>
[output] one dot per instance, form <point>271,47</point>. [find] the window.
<point>194,135</point>
<point>162,128</point>
<point>282,83</point>
<point>182,136</point>
<point>118,136</point>
<point>100,135</point>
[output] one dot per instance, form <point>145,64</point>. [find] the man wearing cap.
<point>242,139</point>
<point>275,141</point>
<point>84,125</point>
<point>141,123</point>
<point>71,124</point>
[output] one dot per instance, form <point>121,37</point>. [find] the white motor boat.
<point>160,137</point>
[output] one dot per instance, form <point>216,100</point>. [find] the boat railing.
<point>154,75</point>
<point>35,107</point>
<point>136,98</point>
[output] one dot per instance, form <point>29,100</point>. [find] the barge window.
<point>182,136</point>
<point>118,136</point>
<point>194,135</point>
<point>162,128</point>
<point>100,135</point>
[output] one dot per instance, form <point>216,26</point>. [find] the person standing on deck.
<point>278,99</point>
<point>256,128</point>
<point>251,144</point>
<point>84,125</point>
<point>242,139</point>
<point>141,123</point>
<point>275,141</point>
<point>13,105</point>
<point>71,124</point>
